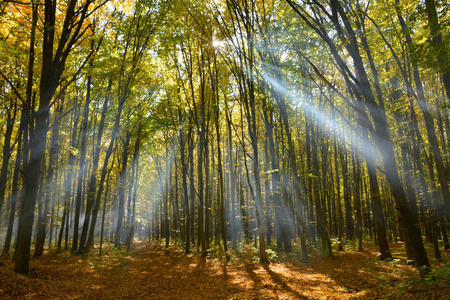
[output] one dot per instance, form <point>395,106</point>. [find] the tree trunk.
<point>68,185</point>
<point>108,154</point>
<point>340,218</point>
<point>357,198</point>
<point>121,192</point>
<point>7,149</point>
<point>53,161</point>
<point>320,217</point>
<point>26,214</point>
<point>184,172</point>
<point>234,212</point>
<point>81,172</point>
<point>20,152</point>
<point>221,199</point>
<point>440,50</point>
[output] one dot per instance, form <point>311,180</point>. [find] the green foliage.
<point>271,255</point>
<point>246,253</point>
<point>217,252</point>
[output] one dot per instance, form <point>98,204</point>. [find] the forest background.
<point>217,125</point>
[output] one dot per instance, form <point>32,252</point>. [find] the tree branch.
<point>15,90</point>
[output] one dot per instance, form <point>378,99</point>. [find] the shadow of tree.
<point>150,272</point>
<point>154,272</point>
<point>361,275</point>
<point>281,283</point>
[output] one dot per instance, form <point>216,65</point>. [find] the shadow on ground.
<point>155,272</point>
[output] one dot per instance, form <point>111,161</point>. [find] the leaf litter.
<point>151,271</point>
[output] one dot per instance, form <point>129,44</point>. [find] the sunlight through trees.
<point>224,124</point>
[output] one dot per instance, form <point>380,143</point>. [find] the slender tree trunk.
<point>121,192</point>
<point>268,197</point>
<point>340,218</point>
<point>167,177</point>
<point>184,179</point>
<point>7,149</point>
<point>53,159</point>
<point>108,154</point>
<point>68,186</point>
<point>276,181</point>
<point>347,195</point>
<point>357,199</point>
<point>320,217</point>
<point>21,151</point>
<point>310,206</point>
<point>81,172</point>
<point>191,184</point>
<point>221,199</point>
<point>102,229</point>
<point>135,184</point>
<point>201,147</point>
<point>294,172</point>
<point>233,213</point>
<point>375,193</point>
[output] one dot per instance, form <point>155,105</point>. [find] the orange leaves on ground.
<point>153,272</point>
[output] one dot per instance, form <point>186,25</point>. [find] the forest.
<point>263,139</point>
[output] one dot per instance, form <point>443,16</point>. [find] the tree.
<point>53,62</point>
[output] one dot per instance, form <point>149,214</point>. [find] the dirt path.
<point>152,272</point>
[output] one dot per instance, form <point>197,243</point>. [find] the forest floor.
<point>151,271</point>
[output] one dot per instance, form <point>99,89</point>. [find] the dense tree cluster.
<point>222,123</point>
